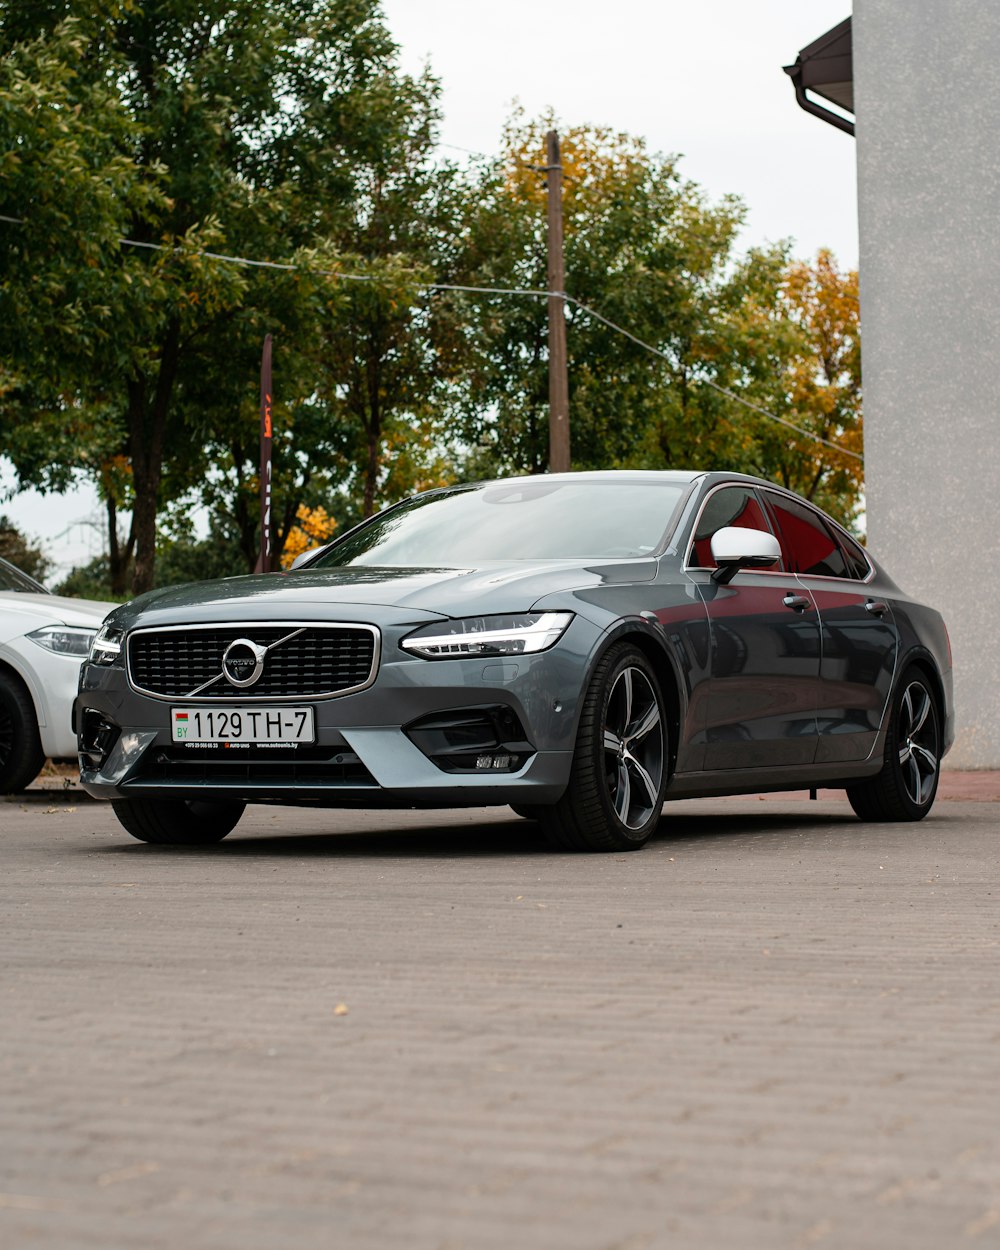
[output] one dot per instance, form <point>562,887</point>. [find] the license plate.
<point>291,725</point>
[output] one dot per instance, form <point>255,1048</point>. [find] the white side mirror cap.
<point>738,548</point>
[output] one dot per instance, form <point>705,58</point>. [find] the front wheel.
<point>907,784</point>
<point>177,822</point>
<point>620,765</point>
<point>21,754</point>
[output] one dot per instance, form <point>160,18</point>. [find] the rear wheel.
<point>907,784</point>
<point>177,822</point>
<point>21,754</point>
<point>619,772</point>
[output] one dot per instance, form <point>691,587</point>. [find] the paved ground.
<point>775,1027</point>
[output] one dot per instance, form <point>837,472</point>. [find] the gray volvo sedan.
<point>580,646</point>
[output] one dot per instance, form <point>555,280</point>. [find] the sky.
<point>702,80</point>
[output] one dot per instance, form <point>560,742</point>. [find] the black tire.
<point>21,754</point>
<point>907,784</point>
<point>621,762</point>
<point>177,822</point>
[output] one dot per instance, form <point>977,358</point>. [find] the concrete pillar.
<point>927,95</point>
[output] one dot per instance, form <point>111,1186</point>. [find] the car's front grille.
<point>303,661</point>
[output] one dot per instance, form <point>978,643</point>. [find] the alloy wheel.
<point>633,747</point>
<point>918,743</point>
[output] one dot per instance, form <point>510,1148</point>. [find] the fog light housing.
<point>98,736</point>
<point>473,740</point>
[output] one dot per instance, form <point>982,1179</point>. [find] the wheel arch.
<point>648,639</point>
<point>9,670</point>
<point>920,658</point>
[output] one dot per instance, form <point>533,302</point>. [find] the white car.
<point>43,640</point>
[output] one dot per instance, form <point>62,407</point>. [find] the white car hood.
<point>20,612</point>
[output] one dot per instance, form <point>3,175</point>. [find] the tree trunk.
<point>373,431</point>
<point>118,556</point>
<point>147,419</point>
<point>247,523</point>
<point>371,470</point>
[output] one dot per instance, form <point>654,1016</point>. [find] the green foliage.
<point>89,581</point>
<point>21,551</point>
<point>182,558</point>
<point>243,124</point>
<point>644,248</point>
<point>65,177</point>
<point>648,251</point>
<point>283,130</point>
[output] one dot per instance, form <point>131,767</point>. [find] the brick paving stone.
<point>774,1027</point>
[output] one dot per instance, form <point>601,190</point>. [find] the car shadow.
<point>514,837</point>
<point>499,836</point>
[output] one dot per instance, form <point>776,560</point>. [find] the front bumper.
<point>363,755</point>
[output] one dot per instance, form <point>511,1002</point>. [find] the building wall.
<point>927,95</point>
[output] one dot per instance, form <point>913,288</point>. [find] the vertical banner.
<point>264,560</point>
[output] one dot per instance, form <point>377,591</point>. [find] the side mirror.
<point>735,548</point>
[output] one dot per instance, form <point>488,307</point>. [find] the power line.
<point>458,148</point>
<point>286,267</point>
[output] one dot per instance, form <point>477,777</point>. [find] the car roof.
<point>682,477</point>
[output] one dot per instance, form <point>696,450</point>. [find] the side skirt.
<point>762,780</point>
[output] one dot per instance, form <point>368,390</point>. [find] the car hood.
<point>21,612</point>
<point>404,594</point>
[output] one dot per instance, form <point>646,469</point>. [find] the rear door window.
<point>809,545</point>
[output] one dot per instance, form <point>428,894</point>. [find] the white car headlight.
<point>64,639</point>
<point>107,645</point>
<point>488,635</point>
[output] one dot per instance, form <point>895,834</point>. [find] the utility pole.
<point>558,379</point>
<point>264,560</point>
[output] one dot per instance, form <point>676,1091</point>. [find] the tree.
<point>67,193</point>
<point>364,364</point>
<point>820,387</point>
<point>247,119</point>
<point>313,527</point>
<point>23,552</point>
<point>643,247</point>
<point>648,251</point>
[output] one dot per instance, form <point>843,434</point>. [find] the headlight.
<point>488,635</point>
<point>107,645</point>
<point>64,639</point>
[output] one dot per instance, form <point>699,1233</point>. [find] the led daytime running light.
<point>107,645</point>
<point>489,635</point>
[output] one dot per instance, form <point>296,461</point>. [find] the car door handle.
<point>797,602</point>
<point>876,607</point>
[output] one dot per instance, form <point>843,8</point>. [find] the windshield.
<point>12,578</point>
<point>523,519</point>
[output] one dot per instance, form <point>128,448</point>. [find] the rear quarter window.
<point>857,562</point>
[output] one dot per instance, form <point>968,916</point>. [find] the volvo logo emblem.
<point>243,662</point>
